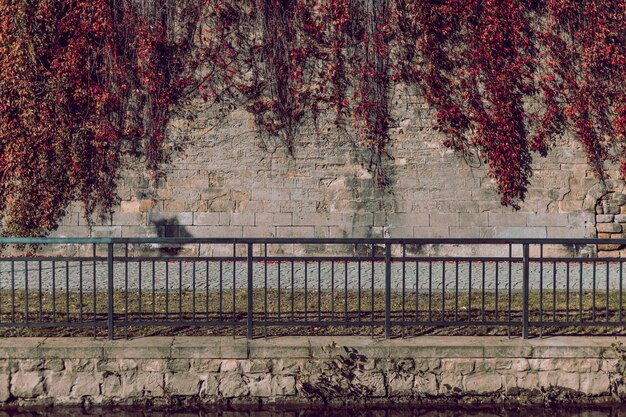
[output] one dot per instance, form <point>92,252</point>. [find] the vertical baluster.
<point>306,292</point>
<point>180,291</point>
<point>469,293</point>
<point>430,291</point>
<point>54,293</point>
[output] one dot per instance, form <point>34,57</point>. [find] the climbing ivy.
<point>84,84</point>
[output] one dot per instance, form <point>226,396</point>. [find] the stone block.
<point>283,385</point>
<point>450,383</point>
<point>178,365</point>
<point>232,385</point>
<point>157,347</point>
<point>255,366</point>
<point>233,348</point>
<point>609,253</point>
<point>464,232</point>
<point>58,385</point>
<point>408,219</point>
<point>482,383</point>
<point>425,384</point>
<point>152,365</point>
<point>129,206</point>
<point>142,384</point>
<point>608,247</point>
<point>507,219</point>
<point>568,350</point>
<point>197,347</point>
<point>568,206</point>
<point>295,231</point>
<point>171,218</point>
<point>374,382</point>
<point>619,218</point>
<point>610,365</point>
<point>273,219</point>
<point>521,232</point>
<point>583,219</point>
<point>444,219</point>
<point>318,219</point>
<point>595,384</point>
<point>75,348</point>
<point>259,231</point>
<point>425,232</point>
<point>280,348</point>
<point>617,199</point>
<point>569,380</point>
<point>182,383</point>
<point>528,381</point>
<point>106,231</point>
<point>286,366</point>
<point>543,364</point>
<point>547,219</point>
<point>11,347</point>
<point>401,384</point>
<point>607,218</point>
<point>112,386</point>
<point>27,385</point>
<point>206,219</point>
<point>209,386</point>
<point>229,365</point>
<point>205,365</point>
<point>519,365</point>
<point>86,384</point>
<point>260,385</point>
<point>473,219</point>
<point>609,228</point>
<point>129,219</point>
<point>506,350</point>
<point>460,365</point>
<point>5,394</point>
<point>55,365</point>
<point>242,219</point>
<point>28,365</point>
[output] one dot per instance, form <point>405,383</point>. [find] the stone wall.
<point>229,181</point>
<point>207,370</point>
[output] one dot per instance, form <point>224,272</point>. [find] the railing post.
<point>387,290</point>
<point>110,288</point>
<point>250,332</point>
<point>525,290</point>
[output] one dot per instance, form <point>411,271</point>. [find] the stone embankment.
<point>206,370</point>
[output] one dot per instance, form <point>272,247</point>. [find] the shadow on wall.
<point>170,227</point>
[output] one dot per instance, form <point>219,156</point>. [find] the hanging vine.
<point>81,84</point>
<point>85,83</point>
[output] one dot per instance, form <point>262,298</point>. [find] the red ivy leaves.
<point>83,83</point>
<point>506,77</point>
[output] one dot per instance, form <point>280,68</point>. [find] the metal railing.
<point>255,286</point>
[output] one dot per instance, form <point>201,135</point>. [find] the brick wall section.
<point>226,185</point>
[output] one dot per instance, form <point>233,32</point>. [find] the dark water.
<point>407,411</point>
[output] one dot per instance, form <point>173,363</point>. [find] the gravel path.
<point>340,275</point>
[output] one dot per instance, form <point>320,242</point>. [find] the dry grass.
<point>313,313</point>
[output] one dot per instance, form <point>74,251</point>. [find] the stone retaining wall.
<point>168,370</point>
<point>232,182</point>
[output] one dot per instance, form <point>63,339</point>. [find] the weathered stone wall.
<point>167,370</point>
<point>231,182</point>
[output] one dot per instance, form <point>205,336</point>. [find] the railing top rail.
<point>274,240</point>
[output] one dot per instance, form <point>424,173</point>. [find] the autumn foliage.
<point>86,83</point>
